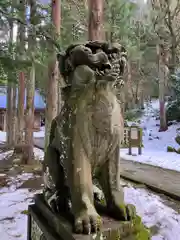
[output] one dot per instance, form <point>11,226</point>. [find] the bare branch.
<point>168,20</point>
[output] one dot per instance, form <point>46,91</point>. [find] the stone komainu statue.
<point>85,137</point>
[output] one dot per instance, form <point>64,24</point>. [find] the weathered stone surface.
<point>46,225</point>
<point>86,136</point>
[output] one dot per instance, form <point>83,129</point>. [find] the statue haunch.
<point>85,141</point>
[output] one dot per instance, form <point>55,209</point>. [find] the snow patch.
<point>14,182</point>
<point>5,155</point>
<point>154,213</point>
<point>38,134</point>
<point>39,154</point>
<point>156,158</point>
<point>13,222</point>
<point>155,143</point>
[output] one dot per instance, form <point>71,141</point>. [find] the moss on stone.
<point>170,149</point>
<point>177,139</point>
<point>25,212</point>
<point>129,230</point>
<point>142,233</point>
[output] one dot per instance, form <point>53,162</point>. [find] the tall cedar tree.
<point>11,94</point>
<point>21,86</point>
<point>53,73</point>
<point>96,17</point>
<point>30,87</point>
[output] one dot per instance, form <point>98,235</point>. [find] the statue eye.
<point>87,50</point>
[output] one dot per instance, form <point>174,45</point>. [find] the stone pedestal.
<point>45,225</point>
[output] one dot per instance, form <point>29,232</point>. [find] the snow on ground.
<point>153,139</point>
<point>156,158</point>
<point>155,143</point>
<point>38,134</point>
<point>13,220</point>
<point>6,154</point>
<point>2,136</point>
<point>154,213</point>
<point>38,153</point>
<point>14,182</point>
<point>14,203</point>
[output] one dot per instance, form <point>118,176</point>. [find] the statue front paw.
<point>123,212</point>
<point>87,223</point>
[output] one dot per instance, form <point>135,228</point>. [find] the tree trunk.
<point>59,104</point>
<point>130,92</point>
<point>142,100</point>
<point>29,121</point>
<point>172,69</point>
<point>112,21</point>
<point>21,87</point>
<point>14,115</point>
<point>30,88</point>
<point>95,26</point>
<point>20,110</point>
<point>162,78</point>
<point>53,74</point>
<point>10,126</point>
<point>57,23</point>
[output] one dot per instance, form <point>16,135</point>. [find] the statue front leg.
<point>109,179</point>
<point>86,219</point>
<point>56,191</point>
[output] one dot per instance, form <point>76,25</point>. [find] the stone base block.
<point>43,224</point>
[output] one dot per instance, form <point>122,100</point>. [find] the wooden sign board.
<point>134,133</point>
<point>135,139</point>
